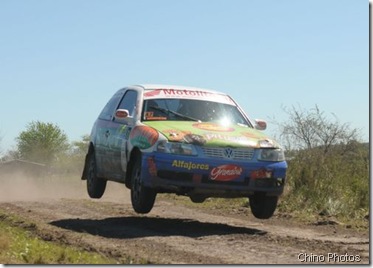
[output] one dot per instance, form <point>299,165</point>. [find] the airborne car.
<point>188,141</point>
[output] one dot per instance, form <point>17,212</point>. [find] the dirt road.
<point>173,233</point>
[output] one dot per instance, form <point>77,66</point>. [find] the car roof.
<point>177,87</point>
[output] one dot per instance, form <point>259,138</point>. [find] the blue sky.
<point>61,60</point>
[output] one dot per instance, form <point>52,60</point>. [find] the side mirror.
<point>122,116</point>
<point>121,113</point>
<point>260,124</point>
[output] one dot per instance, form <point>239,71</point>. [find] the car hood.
<point>212,134</point>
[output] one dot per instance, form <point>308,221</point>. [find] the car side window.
<point>129,101</point>
<point>110,107</point>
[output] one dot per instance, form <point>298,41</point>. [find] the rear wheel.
<point>263,206</point>
<point>142,197</point>
<point>95,186</point>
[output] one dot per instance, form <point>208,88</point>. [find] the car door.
<point>102,131</point>
<point>119,134</point>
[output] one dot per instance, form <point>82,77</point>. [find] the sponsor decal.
<point>213,127</point>
<point>187,94</point>
<point>152,167</point>
<point>187,136</point>
<point>150,116</point>
<point>143,136</point>
<point>225,173</point>
<point>175,135</point>
<point>124,131</point>
<point>174,92</point>
<point>189,165</point>
<point>195,139</point>
<point>177,92</point>
<point>250,135</point>
<point>234,139</point>
<point>261,174</point>
<point>152,93</point>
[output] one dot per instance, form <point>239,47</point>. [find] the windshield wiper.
<point>167,112</point>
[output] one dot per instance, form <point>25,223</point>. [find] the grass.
<point>333,185</point>
<point>20,246</point>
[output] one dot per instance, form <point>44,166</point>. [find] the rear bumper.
<point>212,177</point>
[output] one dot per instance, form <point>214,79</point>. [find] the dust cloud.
<point>19,186</point>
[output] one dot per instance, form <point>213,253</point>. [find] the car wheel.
<point>263,206</point>
<point>197,198</point>
<point>142,198</point>
<point>95,186</point>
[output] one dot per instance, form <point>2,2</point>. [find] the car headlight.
<point>176,148</point>
<point>273,155</point>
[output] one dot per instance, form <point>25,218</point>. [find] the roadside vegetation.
<point>47,144</point>
<point>18,245</point>
<point>328,171</point>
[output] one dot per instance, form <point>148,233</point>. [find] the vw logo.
<point>228,152</point>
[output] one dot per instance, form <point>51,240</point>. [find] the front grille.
<point>229,153</point>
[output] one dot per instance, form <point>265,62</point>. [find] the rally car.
<point>183,140</point>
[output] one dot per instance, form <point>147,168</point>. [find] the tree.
<point>10,155</point>
<point>80,148</point>
<point>312,129</point>
<point>0,146</point>
<point>73,161</point>
<point>42,142</point>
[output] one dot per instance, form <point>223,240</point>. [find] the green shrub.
<point>332,184</point>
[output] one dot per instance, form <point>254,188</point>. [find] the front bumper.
<point>212,177</point>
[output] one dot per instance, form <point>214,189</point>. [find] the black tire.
<point>95,186</point>
<point>197,198</point>
<point>142,198</point>
<point>263,206</point>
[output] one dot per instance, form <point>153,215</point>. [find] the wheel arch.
<point>134,155</point>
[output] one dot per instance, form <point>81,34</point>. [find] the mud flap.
<point>85,170</point>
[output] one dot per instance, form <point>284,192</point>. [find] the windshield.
<point>192,110</point>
